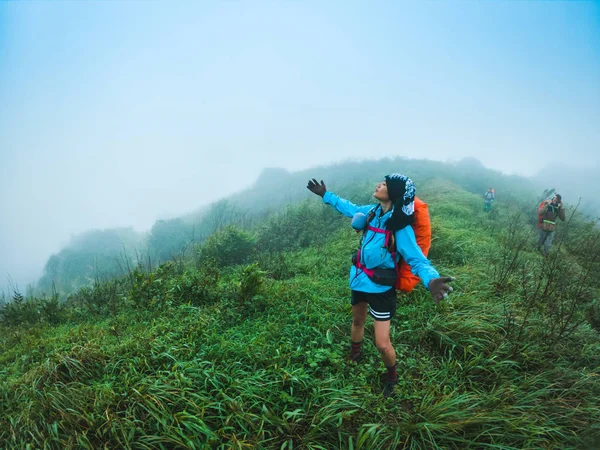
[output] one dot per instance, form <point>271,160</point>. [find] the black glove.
<point>439,289</point>
<point>316,188</point>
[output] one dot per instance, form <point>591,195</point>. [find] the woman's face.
<point>381,192</point>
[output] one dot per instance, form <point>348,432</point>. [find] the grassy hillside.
<point>102,254</point>
<point>207,353</point>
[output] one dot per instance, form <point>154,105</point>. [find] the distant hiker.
<point>489,198</point>
<point>548,211</point>
<point>393,214</point>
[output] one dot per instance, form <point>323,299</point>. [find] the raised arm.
<point>346,207</point>
<point>341,205</point>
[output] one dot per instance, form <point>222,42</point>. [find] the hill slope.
<point>79,265</point>
<point>205,353</point>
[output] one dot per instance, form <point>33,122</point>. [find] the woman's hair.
<point>401,191</point>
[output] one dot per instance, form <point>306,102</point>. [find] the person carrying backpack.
<point>489,198</point>
<point>373,275</point>
<point>548,212</point>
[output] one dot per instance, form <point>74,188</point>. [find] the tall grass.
<point>211,356</point>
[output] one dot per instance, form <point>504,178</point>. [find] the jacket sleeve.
<point>406,243</point>
<point>344,206</point>
<point>561,213</point>
<point>543,208</point>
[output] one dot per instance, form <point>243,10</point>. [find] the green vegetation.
<point>103,254</point>
<point>94,255</point>
<point>214,351</point>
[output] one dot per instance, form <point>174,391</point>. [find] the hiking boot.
<point>388,388</point>
<point>355,357</point>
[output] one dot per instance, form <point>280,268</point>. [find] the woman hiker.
<point>395,213</point>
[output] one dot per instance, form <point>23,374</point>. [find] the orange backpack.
<point>422,227</point>
<point>406,280</point>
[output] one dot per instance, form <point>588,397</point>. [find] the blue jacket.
<point>373,251</point>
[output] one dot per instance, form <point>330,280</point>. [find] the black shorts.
<point>382,306</point>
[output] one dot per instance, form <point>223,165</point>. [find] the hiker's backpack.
<point>540,216</point>
<point>422,227</point>
<point>406,280</point>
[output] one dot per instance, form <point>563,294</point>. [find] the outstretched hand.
<point>440,289</point>
<point>316,188</point>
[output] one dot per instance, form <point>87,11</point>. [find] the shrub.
<point>227,247</point>
<point>298,226</point>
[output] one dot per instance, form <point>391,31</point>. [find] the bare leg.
<point>384,344</point>
<point>359,316</point>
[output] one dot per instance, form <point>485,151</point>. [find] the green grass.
<point>264,365</point>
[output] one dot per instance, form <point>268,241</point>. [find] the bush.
<point>197,287</point>
<point>20,311</point>
<point>31,311</point>
<point>227,247</point>
<point>99,299</point>
<point>251,280</point>
<point>298,226</point>
<point>276,264</point>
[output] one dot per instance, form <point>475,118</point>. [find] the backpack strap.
<point>368,272</point>
<point>392,250</point>
<point>390,239</point>
<point>379,230</point>
<point>390,244</point>
<point>370,217</point>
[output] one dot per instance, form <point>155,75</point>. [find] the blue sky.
<point>117,113</point>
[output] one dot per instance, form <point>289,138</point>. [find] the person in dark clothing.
<point>548,212</point>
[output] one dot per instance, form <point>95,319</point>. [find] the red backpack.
<point>406,280</point>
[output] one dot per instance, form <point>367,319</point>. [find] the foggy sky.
<point>119,113</point>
